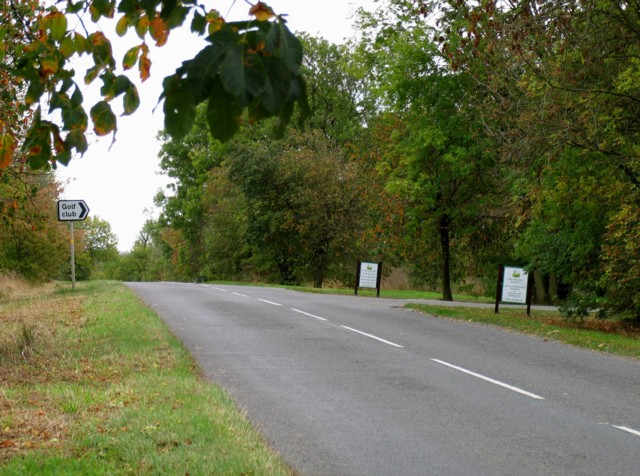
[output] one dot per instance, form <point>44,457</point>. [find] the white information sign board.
<point>368,275</point>
<point>514,285</point>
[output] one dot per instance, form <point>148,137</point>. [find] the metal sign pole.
<point>73,257</point>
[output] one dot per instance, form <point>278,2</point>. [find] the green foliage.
<point>251,66</point>
<point>99,246</point>
<point>436,154</point>
<point>622,263</point>
<point>303,207</point>
<point>32,242</point>
<point>557,95</point>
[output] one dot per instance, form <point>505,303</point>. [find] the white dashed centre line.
<point>628,430</point>
<point>241,295</point>
<point>373,337</point>
<point>270,302</point>
<point>219,289</point>
<point>490,380</point>
<point>310,315</point>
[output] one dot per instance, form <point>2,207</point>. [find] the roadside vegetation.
<point>612,336</point>
<point>94,383</point>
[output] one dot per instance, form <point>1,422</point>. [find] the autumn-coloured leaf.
<point>74,117</point>
<point>49,65</point>
<point>142,26</point>
<point>144,64</point>
<point>101,50</point>
<point>92,73</point>
<point>261,11</point>
<point>104,120</point>
<point>101,8</point>
<point>159,31</point>
<point>7,148</point>
<point>130,57</point>
<point>214,20</point>
<point>122,25</point>
<point>37,143</point>
<point>58,144</point>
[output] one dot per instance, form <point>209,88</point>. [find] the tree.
<point>248,66</point>
<point>188,161</point>
<point>32,241</point>
<point>439,158</point>
<point>303,205</point>
<point>226,217</point>
<point>100,243</point>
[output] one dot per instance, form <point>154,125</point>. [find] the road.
<point>345,385</point>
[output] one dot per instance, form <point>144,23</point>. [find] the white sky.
<point>118,182</point>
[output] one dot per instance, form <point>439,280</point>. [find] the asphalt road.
<point>345,385</point>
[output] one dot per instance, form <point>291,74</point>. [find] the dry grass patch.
<point>33,333</point>
<point>32,347</point>
<point>29,424</point>
<point>13,287</point>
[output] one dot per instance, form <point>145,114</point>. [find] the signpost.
<point>514,286</point>
<point>72,211</point>
<point>368,275</point>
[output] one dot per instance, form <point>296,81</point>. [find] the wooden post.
<point>499,288</point>
<point>529,292</point>
<point>357,277</point>
<point>379,278</point>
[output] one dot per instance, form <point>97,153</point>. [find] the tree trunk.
<point>320,268</point>
<point>445,264</point>
<point>318,277</point>
<point>541,290</point>
<point>553,286</point>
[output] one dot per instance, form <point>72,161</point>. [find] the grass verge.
<point>603,336</point>
<point>94,383</point>
<point>366,292</point>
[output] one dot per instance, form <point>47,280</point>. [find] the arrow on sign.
<point>72,210</point>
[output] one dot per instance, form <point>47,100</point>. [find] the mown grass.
<point>367,292</point>
<point>602,336</point>
<point>94,383</point>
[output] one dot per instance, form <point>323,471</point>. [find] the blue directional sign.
<point>72,210</point>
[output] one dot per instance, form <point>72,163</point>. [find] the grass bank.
<point>602,336</point>
<point>92,382</point>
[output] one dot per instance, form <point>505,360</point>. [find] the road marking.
<point>270,302</point>
<point>487,379</point>
<point>373,337</point>
<point>310,315</point>
<point>219,289</point>
<point>628,430</point>
<point>241,295</point>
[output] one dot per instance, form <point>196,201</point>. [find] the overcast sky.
<point>118,181</point>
